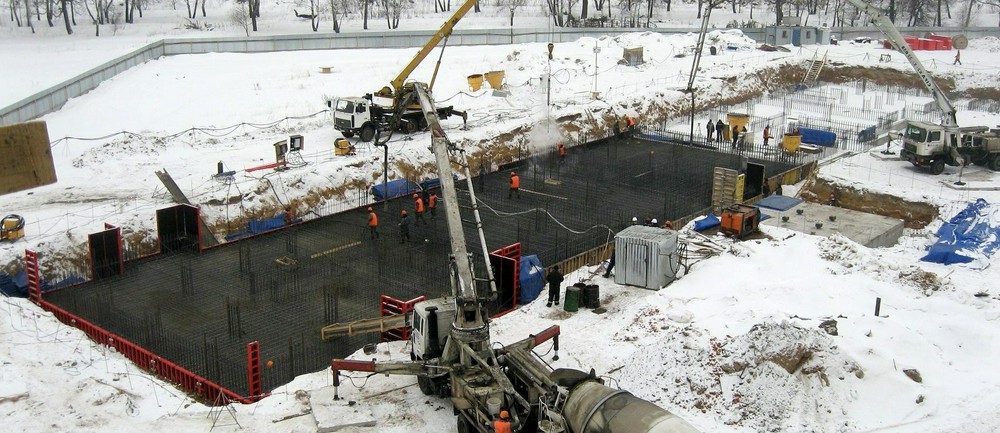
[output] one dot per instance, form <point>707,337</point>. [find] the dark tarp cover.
<point>532,279</point>
<point>778,202</point>
<point>395,188</point>
<point>706,223</point>
<point>971,234</point>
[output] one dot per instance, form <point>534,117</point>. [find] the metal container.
<point>646,257</point>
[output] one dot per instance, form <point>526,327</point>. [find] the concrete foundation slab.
<point>870,230</point>
<point>338,415</point>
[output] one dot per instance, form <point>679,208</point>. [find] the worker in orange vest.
<point>562,152</point>
<point>502,425</point>
<point>418,204</point>
<point>432,203</point>
<point>289,216</point>
<point>629,125</point>
<point>372,224</point>
<point>515,185</point>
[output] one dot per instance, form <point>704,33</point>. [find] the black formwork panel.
<point>280,288</point>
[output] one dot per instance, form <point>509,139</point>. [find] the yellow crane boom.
<point>443,33</point>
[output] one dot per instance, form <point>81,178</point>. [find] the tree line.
<point>562,13</point>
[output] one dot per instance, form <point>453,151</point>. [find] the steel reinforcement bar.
<point>210,392</point>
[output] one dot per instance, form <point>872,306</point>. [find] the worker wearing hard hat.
<point>502,424</point>
<point>515,185</point>
<point>372,223</point>
<point>404,227</point>
<point>418,207</point>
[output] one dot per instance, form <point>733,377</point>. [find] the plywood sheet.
<point>25,157</point>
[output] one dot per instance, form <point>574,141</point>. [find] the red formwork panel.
<point>253,369</point>
<point>31,269</point>
<point>927,44</point>
<point>513,253</point>
<point>389,306</point>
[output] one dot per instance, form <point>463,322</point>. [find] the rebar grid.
<point>280,288</point>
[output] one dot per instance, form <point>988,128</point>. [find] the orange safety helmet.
<point>504,414</point>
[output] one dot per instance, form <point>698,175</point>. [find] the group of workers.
<point>738,134</point>
<point>421,205</point>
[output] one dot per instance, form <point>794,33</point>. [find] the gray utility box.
<point>646,257</point>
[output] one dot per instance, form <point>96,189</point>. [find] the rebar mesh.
<point>280,288</point>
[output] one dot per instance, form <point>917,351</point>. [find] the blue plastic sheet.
<point>818,137</point>
<point>395,188</point>
<point>971,235</point>
<point>532,279</point>
<point>260,226</point>
<point>706,223</point>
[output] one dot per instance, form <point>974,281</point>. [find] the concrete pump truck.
<point>935,145</point>
<point>453,356</point>
<point>395,107</point>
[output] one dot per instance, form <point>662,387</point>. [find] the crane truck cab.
<point>356,116</point>
<point>931,145</point>
<point>362,116</point>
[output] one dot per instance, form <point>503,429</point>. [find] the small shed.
<point>796,35</point>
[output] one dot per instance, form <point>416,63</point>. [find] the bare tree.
<point>393,9</point>
<point>555,10</point>
<point>27,16</point>
<point>193,12</point>
<point>338,12</point>
<point>240,16</point>
<point>65,14</point>
<point>512,6</point>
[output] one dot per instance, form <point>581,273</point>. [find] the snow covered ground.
<point>705,347</point>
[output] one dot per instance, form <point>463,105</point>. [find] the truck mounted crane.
<point>452,355</point>
<point>934,145</point>
<point>362,116</point>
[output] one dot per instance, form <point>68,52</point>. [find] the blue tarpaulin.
<point>818,137</point>
<point>706,223</point>
<point>778,202</point>
<point>532,279</point>
<point>974,233</point>
<point>395,188</point>
<point>17,285</point>
<point>260,226</point>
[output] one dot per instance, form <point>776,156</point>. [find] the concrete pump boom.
<point>889,30</point>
